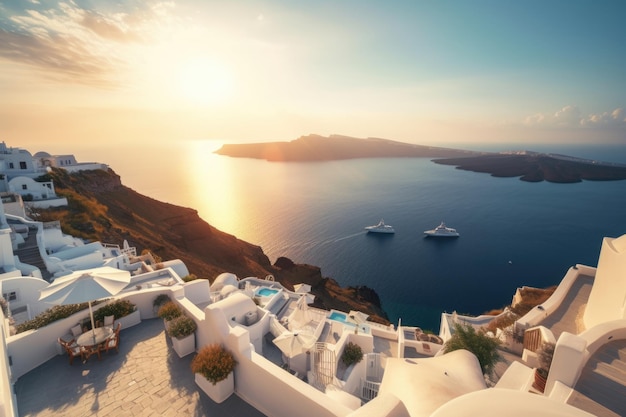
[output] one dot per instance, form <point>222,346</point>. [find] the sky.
<point>111,73</point>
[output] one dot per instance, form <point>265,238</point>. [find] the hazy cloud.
<point>571,116</point>
<point>69,42</point>
<point>610,119</point>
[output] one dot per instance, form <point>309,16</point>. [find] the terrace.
<point>145,378</point>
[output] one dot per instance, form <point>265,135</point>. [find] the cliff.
<point>318,148</point>
<point>101,208</point>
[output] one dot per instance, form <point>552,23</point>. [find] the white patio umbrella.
<point>85,286</point>
<point>302,315</point>
<point>294,343</point>
<point>357,316</point>
<point>304,289</point>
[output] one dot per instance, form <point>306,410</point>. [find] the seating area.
<point>92,342</point>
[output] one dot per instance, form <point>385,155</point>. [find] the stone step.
<point>611,372</point>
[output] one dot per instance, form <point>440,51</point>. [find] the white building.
<point>20,172</point>
<point>404,372</point>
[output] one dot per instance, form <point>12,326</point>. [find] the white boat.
<point>381,227</point>
<point>442,231</point>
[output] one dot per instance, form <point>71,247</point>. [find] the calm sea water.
<point>513,233</point>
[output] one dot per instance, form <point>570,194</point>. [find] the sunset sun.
<point>203,81</point>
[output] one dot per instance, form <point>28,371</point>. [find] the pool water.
<point>266,292</point>
<point>337,316</point>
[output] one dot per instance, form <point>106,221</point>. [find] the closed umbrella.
<point>86,286</point>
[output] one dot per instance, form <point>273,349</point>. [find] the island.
<point>537,167</point>
<point>312,148</point>
<point>529,166</point>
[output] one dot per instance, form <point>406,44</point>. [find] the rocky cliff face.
<point>102,208</point>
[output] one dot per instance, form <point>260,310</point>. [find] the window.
<point>24,187</point>
<point>10,296</point>
<point>11,166</point>
<point>22,165</point>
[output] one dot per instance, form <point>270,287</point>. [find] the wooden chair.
<point>113,342</point>
<point>71,349</point>
<point>89,351</point>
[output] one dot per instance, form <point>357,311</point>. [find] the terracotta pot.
<point>540,381</point>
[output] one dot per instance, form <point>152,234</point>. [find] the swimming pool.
<point>266,292</point>
<point>339,316</point>
<point>342,318</point>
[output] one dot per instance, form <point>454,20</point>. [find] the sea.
<point>512,233</point>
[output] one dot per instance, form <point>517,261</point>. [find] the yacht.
<point>381,227</point>
<point>442,231</point>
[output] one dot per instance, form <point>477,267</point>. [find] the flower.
<point>214,362</point>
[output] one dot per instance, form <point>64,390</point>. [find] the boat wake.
<point>314,243</point>
<point>347,237</point>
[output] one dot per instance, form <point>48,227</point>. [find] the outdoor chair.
<point>71,349</point>
<point>88,351</point>
<point>113,342</point>
<point>77,330</point>
<point>108,321</point>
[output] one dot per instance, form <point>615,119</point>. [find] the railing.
<point>533,339</point>
<point>323,365</point>
<point>52,225</point>
<point>369,389</point>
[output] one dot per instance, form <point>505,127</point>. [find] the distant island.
<point>529,166</point>
<point>313,148</point>
<point>536,167</point>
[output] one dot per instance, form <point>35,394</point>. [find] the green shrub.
<point>484,347</point>
<point>352,354</point>
<point>118,308</point>
<point>213,362</point>
<point>160,299</point>
<point>169,311</point>
<point>181,327</point>
<point>545,354</point>
<point>190,277</point>
<point>49,316</point>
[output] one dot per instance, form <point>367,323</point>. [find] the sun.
<point>203,81</point>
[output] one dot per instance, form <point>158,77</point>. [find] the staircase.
<point>601,387</point>
<point>28,253</point>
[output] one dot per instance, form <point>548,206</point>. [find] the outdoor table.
<point>94,337</point>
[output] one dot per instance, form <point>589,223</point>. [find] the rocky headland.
<point>101,208</point>
<point>314,148</point>
<point>537,167</point>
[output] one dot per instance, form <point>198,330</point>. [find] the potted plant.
<point>352,354</point>
<point>181,329</point>
<point>545,354</point>
<point>123,311</point>
<point>169,311</point>
<point>213,367</point>
<point>158,301</point>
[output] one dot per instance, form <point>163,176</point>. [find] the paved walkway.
<point>146,378</point>
<point>568,316</point>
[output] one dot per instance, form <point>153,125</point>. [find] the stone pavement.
<point>146,378</point>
